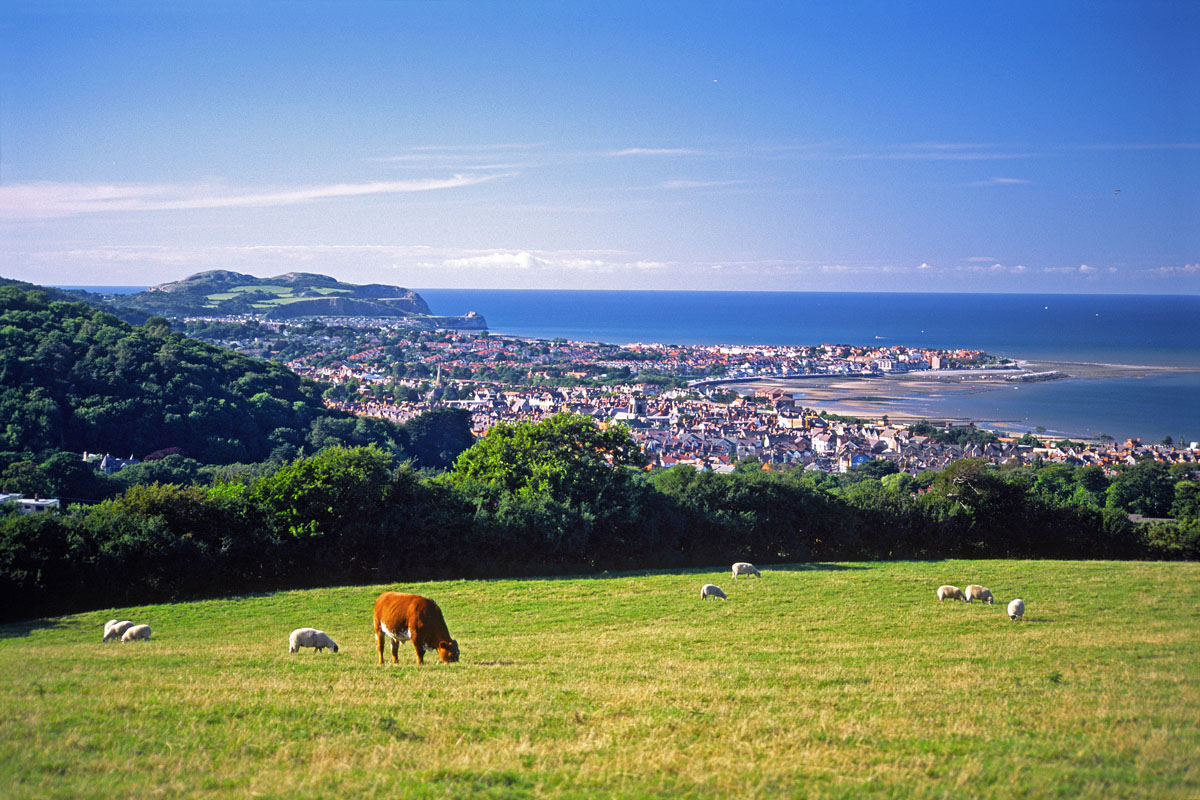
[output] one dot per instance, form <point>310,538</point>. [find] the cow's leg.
<point>420,651</point>
<point>379,643</point>
<point>395,651</point>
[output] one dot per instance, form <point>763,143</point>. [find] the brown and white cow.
<point>416,619</point>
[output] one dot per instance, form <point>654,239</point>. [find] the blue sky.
<point>958,146</point>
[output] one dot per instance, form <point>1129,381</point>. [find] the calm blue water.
<point>107,289</point>
<point>1110,329</point>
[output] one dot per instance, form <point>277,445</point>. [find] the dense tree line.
<point>555,497</point>
<point>73,378</point>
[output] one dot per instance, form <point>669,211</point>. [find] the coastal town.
<point>676,401</point>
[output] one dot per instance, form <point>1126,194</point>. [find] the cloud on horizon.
<point>1182,269</point>
<point>1082,269</point>
<point>655,151</point>
<point>560,261</point>
<point>692,184</point>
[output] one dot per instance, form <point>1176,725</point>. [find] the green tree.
<point>435,438</point>
<point>562,490</point>
<point>1144,489</point>
<point>567,455</point>
<point>177,469</point>
<point>1187,500</point>
<point>25,477</point>
<point>1055,484</point>
<point>872,468</point>
<point>325,493</point>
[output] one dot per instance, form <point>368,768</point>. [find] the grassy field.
<point>826,680</point>
<point>283,294</point>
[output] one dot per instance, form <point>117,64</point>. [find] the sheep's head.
<point>448,651</point>
<point>333,647</point>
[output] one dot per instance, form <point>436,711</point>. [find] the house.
<point>825,443</point>
<point>37,505</point>
<point>107,464</point>
<point>26,505</point>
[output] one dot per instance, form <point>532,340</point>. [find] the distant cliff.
<point>296,294</point>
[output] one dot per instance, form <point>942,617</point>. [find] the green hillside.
<point>76,379</point>
<point>220,292</point>
<point>844,680</point>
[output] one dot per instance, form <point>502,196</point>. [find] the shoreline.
<point>910,397</point>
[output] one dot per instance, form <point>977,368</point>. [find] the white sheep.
<point>310,637</point>
<point>114,629</point>
<point>977,592</point>
<point>711,590</point>
<point>1016,609</point>
<point>135,633</point>
<point>745,568</point>
<point>950,592</point>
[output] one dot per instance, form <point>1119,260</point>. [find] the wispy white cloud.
<point>1143,146</point>
<point>520,260</point>
<point>952,151</point>
<point>550,261</point>
<point>1181,269</point>
<point>655,151</point>
<point>1001,182</point>
<point>691,184</point>
<point>1083,269</point>
<point>481,157</point>
<point>43,200</point>
<point>978,266</point>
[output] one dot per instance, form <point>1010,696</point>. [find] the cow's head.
<point>448,651</point>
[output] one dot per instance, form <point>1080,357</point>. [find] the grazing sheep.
<point>952,592</point>
<point>135,633</point>
<point>745,568</point>
<point>977,592</point>
<point>310,637</point>
<point>711,590</point>
<point>114,629</point>
<point>1016,609</point>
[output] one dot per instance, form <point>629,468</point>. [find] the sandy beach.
<point>913,396</point>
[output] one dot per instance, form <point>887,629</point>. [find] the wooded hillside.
<point>78,379</point>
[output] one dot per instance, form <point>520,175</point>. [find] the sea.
<point>1136,330</point>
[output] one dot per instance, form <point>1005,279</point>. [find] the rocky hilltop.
<point>295,294</point>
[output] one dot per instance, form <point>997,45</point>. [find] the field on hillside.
<point>283,294</point>
<point>821,680</point>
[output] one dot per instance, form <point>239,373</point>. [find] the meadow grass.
<point>819,680</point>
